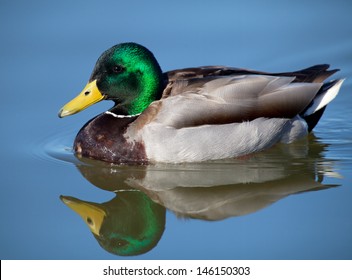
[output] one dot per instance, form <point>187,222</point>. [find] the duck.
<point>194,114</point>
<point>129,224</point>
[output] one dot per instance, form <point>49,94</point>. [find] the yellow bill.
<point>91,214</point>
<point>89,96</point>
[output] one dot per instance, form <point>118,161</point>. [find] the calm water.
<point>290,202</point>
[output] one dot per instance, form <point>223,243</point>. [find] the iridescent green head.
<point>128,74</point>
<point>129,224</point>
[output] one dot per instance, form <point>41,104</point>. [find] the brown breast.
<point>103,139</point>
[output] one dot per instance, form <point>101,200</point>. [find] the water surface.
<point>290,202</point>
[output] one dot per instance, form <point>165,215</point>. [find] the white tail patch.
<point>324,99</point>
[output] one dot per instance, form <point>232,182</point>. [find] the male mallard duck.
<point>194,114</point>
<point>129,224</point>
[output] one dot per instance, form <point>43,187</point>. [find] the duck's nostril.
<point>87,93</point>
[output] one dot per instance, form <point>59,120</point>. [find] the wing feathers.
<point>288,101</point>
<point>235,99</point>
<point>221,95</point>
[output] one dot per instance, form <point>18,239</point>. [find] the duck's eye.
<point>121,243</point>
<point>117,69</point>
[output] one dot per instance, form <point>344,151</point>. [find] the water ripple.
<point>55,148</point>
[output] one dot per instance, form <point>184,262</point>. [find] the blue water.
<point>291,202</point>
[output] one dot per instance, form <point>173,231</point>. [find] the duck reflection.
<point>133,222</point>
<point>128,224</point>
